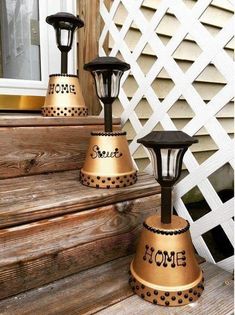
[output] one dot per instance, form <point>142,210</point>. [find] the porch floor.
<point>104,290</point>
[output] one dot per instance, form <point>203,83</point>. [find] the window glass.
<point>19,40</point>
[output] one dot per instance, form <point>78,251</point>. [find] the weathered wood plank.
<point>38,253</point>
<point>105,290</point>
<point>37,197</point>
<point>88,50</point>
<point>82,293</point>
<point>35,150</point>
<point>23,120</point>
<point>217,299</point>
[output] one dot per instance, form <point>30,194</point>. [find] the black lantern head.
<point>167,149</point>
<point>64,24</point>
<point>107,73</point>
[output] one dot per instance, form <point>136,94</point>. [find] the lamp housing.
<point>167,149</point>
<point>64,24</point>
<point>107,73</point>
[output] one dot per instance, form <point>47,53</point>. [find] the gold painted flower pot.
<point>108,162</point>
<point>64,97</point>
<point>164,270</point>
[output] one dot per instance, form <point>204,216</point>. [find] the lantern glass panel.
<point>154,162</point>
<point>170,159</point>
<point>65,37</point>
<point>107,82</point>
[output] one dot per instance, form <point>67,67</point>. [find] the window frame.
<point>49,53</point>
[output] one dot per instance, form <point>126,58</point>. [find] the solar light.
<point>165,270</point>
<point>108,161</point>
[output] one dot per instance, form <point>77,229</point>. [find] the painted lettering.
<point>164,258</point>
<point>72,89</point>
<point>51,88</point>
<point>61,88</point>
<point>149,253</point>
<point>99,153</point>
<point>181,258</point>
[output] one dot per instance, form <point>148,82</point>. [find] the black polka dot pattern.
<point>108,182</point>
<point>66,111</point>
<point>63,75</point>
<point>166,298</point>
<point>108,134</point>
<point>166,232</point>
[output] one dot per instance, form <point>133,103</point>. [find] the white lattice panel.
<point>212,52</point>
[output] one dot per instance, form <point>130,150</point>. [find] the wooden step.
<point>104,290</point>
<point>52,226</point>
<point>32,198</point>
<point>32,144</point>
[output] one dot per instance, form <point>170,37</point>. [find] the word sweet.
<point>61,88</point>
<point>162,258</point>
<point>98,153</point>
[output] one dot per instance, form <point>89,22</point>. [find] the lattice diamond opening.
<point>132,37</point>
<point>130,86</point>
<point>211,74</point>
<point>147,10</point>
<point>146,60</point>
<point>195,203</point>
<point>142,164</point>
<point>186,52</point>
<point>226,118</point>
<point>218,243</point>
<point>162,84</point>
<point>141,158</point>
<point>203,85</point>
<point>131,133</point>
<point>158,127</point>
<point>214,12</point>
<point>120,15</point>
<point>117,108</point>
<point>229,48</point>
<point>204,140</point>
<point>181,113</point>
<point>167,27</point>
<point>223,179</point>
<point>143,110</point>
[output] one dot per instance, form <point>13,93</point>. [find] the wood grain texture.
<point>104,290</point>
<point>217,299</point>
<point>88,37</point>
<point>38,197</point>
<point>82,293</point>
<point>38,253</point>
<point>23,120</point>
<point>35,150</point>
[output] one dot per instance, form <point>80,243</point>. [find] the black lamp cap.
<point>107,63</point>
<point>65,17</point>
<point>167,139</point>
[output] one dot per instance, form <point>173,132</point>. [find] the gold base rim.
<point>64,111</point>
<point>107,182</point>
<point>168,296</point>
